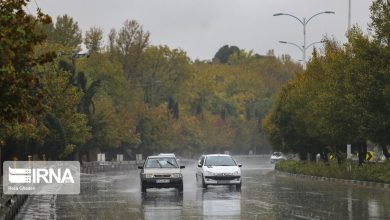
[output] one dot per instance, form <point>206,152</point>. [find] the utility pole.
<point>349,15</point>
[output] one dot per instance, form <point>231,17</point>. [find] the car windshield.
<point>219,161</point>
<point>163,162</point>
<point>277,154</point>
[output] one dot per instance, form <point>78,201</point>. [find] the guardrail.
<point>10,204</point>
<point>96,166</point>
<point>253,156</point>
<point>186,162</point>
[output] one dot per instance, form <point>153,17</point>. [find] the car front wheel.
<point>180,188</point>
<point>204,185</point>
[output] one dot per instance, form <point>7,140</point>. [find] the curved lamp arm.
<point>294,44</point>
<point>324,12</point>
<point>318,42</point>
<point>279,14</point>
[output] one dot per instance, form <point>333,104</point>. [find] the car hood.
<point>161,170</point>
<point>221,169</point>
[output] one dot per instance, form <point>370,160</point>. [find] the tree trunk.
<point>302,155</point>
<point>339,158</point>
<point>1,162</point>
<point>324,156</point>
<point>362,153</point>
<point>313,157</point>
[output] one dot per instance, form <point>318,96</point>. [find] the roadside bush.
<point>375,172</point>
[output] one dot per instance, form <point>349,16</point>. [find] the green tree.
<point>380,21</point>
<point>342,97</point>
<point>67,128</point>
<point>376,55</point>
<point>93,39</point>
<point>163,72</point>
<point>224,53</point>
<point>130,43</point>
<point>66,32</point>
<point>20,94</point>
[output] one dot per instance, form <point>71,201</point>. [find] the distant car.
<point>218,169</point>
<point>161,172</point>
<point>277,156</point>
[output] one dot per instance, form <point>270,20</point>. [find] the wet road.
<point>117,195</point>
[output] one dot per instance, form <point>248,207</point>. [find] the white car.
<point>218,169</point>
<point>277,156</point>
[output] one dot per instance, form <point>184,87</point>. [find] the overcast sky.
<point>201,27</point>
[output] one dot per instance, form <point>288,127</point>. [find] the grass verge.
<point>374,172</point>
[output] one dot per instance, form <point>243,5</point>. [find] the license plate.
<point>162,181</point>
<point>223,181</point>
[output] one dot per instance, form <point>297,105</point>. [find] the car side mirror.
<point>199,165</point>
<point>140,167</point>
<point>239,165</point>
<point>182,167</point>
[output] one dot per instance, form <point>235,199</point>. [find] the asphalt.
<point>264,195</point>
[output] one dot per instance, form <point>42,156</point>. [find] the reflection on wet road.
<point>263,196</point>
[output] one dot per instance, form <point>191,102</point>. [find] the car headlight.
<point>148,175</point>
<point>236,173</point>
<point>176,175</point>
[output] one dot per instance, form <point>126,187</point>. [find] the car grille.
<point>162,175</point>
<point>222,177</point>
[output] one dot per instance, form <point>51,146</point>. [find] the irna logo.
<point>40,175</point>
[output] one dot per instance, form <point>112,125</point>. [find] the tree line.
<point>343,97</point>
<point>125,95</point>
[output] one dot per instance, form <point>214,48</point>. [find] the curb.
<point>335,180</point>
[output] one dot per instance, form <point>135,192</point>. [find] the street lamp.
<point>304,22</point>
<point>302,48</point>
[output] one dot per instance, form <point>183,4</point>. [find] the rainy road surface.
<point>264,195</point>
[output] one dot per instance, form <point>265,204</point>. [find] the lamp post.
<point>304,22</point>
<point>349,15</point>
<point>302,48</point>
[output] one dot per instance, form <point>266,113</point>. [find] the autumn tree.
<point>93,39</point>
<point>224,53</point>
<point>342,97</point>
<point>66,32</point>
<point>130,42</point>
<point>67,127</point>
<point>163,72</point>
<point>127,96</point>
<point>20,92</point>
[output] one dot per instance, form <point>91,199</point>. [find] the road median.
<point>376,175</point>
